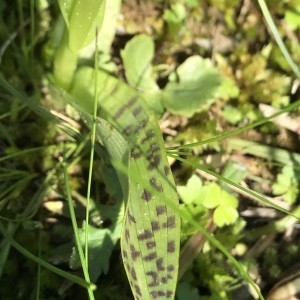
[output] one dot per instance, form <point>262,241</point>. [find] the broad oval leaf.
<point>197,82</point>
<point>137,58</point>
<point>151,228</point>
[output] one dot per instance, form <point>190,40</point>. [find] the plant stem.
<point>65,64</point>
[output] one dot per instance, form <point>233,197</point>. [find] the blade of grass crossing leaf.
<point>76,233</point>
<point>93,138</point>
<point>227,134</point>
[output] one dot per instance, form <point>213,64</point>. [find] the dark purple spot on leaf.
<point>155,225</point>
<point>161,210</point>
<point>150,256</point>
<point>171,223</point>
<point>169,294</point>
<point>156,185</point>
<point>138,290</point>
<point>134,253</point>
<point>154,294</point>
<point>156,159</point>
<point>122,109</point>
<point>136,152</point>
<point>149,135</point>
<point>159,294</point>
<point>130,218</point>
<point>150,245</point>
<point>171,246</point>
<point>147,234</point>
<point>149,157</point>
<point>170,268</point>
<point>119,112</point>
<point>127,130</point>
<point>160,264</point>
<point>154,162</point>
<point>131,101</point>
<point>137,110</point>
<point>154,276</point>
<point>154,147</point>
<point>133,274</point>
<point>127,235</point>
<point>164,279</point>
<point>166,170</point>
<point>146,195</point>
<point>140,126</point>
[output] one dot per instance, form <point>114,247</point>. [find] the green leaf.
<point>191,192</point>
<point>197,82</point>
<point>174,18</point>
<point>82,20</point>
<point>292,18</point>
<point>224,204</point>
<point>224,215</point>
<point>287,184</point>
<point>65,7</point>
<point>81,23</point>
<point>137,58</point>
<point>100,243</point>
<point>210,195</point>
<point>228,199</point>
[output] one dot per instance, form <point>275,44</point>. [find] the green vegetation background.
<point>226,50</point>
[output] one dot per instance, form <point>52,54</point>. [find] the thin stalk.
<point>232,183</point>
<point>38,283</point>
<point>65,64</point>
<point>238,130</point>
<point>278,38</point>
<point>92,153</point>
<point>32,34</point>
<point>76,235</point>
